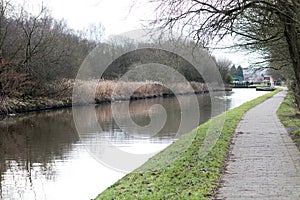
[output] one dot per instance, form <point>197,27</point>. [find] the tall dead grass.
<point>109,90</point>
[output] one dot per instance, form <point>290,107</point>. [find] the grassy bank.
<point>188,177</point>
<point>17,105</point>
<point>49,96</point>
<point>290,118</point>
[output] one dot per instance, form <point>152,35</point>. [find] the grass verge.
<point>290,118</point>
<point>188,177</point>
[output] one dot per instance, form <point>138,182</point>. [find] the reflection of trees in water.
<point>139,113</point>
<point>29,145</point>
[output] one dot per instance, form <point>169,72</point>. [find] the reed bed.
<point>109,90</point>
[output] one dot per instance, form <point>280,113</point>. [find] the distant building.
<point>268,80</point>
<point>237,79</point>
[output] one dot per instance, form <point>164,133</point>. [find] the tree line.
<point>268,27</point>
<point>37,50</point>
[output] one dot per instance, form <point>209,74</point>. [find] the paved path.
<point>264,164</point>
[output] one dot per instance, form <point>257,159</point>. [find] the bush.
<point>13,83</point>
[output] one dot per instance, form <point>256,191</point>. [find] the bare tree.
<point>269,21</point>
<point>93,32</point>
<point>224,65</point>
<point>37,46</point>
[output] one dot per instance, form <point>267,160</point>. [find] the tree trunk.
<point>291,36</point>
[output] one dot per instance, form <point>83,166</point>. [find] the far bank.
<point>104,93</point>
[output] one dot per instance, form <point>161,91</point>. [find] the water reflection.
<point>29,146</point>
<point>127,147</point>
<point>42,156</point>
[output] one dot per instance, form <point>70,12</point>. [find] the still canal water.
<point>43,157</point>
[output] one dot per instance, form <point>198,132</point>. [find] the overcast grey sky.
<point>117,16</point>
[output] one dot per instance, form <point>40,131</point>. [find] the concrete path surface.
<point>264,163</point>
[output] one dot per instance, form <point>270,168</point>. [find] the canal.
<point>43,157</point>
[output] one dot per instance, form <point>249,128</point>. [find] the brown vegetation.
<point>106,91</point>
<point>40,57</point>
<point>113,90</point>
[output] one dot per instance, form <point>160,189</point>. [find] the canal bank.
<point>187,177</point>
<point>104,93</point>
<point>12,106</point>
<point>42,157</point>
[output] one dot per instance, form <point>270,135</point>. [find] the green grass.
<point>290,118</point>
<point>188,177</point>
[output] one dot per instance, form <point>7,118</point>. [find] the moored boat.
<point>265,88</point>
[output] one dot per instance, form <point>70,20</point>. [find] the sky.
<point>117,17</point>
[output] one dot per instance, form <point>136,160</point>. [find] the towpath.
<point>264,163</point>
